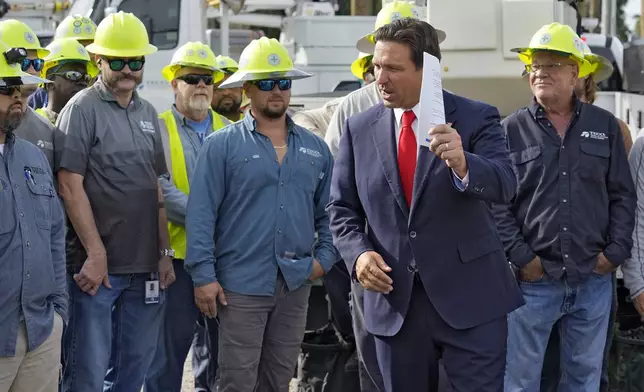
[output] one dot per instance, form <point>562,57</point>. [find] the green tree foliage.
<point>623,31</point>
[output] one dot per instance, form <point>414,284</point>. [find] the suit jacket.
<point>449,233</point>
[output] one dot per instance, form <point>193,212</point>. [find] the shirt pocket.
<point>593,161</point>
<point>41,195</point>
<point>7,210</point>
<point>250,172</point>
<point>528,166</point>
<point>306,175</point>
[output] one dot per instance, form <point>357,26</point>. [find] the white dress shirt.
<point>398,113</point>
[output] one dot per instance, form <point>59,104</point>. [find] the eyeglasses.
<point>194,79</point>
<point>544,67</point>
<point>74,76</point>
<point>36,63</point>
<point>118,64</point>
<point>269,84</point>
<point>9,90</point>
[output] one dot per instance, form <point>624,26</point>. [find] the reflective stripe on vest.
<point>180,174</point>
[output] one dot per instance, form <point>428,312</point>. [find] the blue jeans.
<point>177,332</point>
<point>583,310</point>
<point>111,337</point>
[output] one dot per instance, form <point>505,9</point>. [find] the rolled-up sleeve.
<point>206,195</point>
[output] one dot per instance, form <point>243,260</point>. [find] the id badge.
<point>152,290</point>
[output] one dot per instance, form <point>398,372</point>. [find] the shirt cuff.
<point>461,183</point>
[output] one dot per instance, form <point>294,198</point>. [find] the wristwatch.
<point>167,252</point>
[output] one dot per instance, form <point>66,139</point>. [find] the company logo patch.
<point>147,126</point>
<point>274,60</point>
<point>308,151</point>
<point>45,144</point>
<point>594,135</point>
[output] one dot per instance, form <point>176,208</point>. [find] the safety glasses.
<point>74,76</point>
<point>269,84</point>
<point>36,63</point>
<point>9,90</point>
<point>118,64</point>
<point>194,79</point>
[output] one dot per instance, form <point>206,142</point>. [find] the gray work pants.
<point>260,338</point>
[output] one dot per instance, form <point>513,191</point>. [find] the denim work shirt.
<point>249,217</point>
<point>575,195</point>
<point>32,247</point>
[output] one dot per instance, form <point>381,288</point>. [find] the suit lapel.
<point>426,159</point>
<point>383,132</point>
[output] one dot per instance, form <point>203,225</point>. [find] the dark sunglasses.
<point>269,84</point>
<point>119,64</point>
<point>9,90</point>
<point>194,79</point>
<point>36,63</point>
<point>74,76</point>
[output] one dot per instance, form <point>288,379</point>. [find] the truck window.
<point>160,17</point>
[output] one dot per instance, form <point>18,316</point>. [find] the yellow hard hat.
<point>77,27</point>
<point>390,12</point>
<point>16,34</point>
<point>602,67</point>
<point>556,37</point>
<point>121,35</point>
<point>360,65</point>
<point>66,50</point>
<point>12,74</point>
<point>192,54</point>
<point>227,64</point>
<point>264,58</point>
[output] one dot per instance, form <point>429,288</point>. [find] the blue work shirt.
<point>38,99</point>
<point>248,216</point>
<point>32,247</point>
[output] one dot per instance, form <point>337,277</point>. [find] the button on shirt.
<point>32,248</point>
<point>248,216</point>
<point>119,153</point>
<point>575,196</point>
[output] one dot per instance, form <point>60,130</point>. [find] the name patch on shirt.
<point>594,135</point>
<point>146,126</point>
<point>310,152</point>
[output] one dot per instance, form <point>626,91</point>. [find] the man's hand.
<point>447,145</point>
<point>603,266</point>
<point>93,273</point>
<point>371,272</point>
<point>166,272</point>
<point>206,298</point>
<point>532,271</point>
<point>318,271</point>
<point>639,304</point>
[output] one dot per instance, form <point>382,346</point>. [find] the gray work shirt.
<point>35,129</point>
<point>118,152</point>
<point>32,247</point>
<point>175,200</point>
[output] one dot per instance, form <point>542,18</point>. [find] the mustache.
<point>120,77</point>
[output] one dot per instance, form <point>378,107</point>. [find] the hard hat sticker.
<point>29,37</point>
<point>415,13</point>
<point>190,52</point>
<point>77,30</point>
<point>545,39</point>
<point>77,23</point>
<point>202,53</point>
<point>274,60</point>
<point>82,51</point>
<point>89,29</point>
<point>395,15</point>
<point>578,45</point>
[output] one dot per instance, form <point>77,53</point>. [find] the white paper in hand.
<point>432,110</point>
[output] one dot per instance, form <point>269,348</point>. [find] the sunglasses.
<point>36,63</point>
<point>74,76</point>
<point>194,79</point>
<point>118,64</point>
<point>9,90</point>
<point>269,84</point>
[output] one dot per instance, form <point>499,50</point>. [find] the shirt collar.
<point>398,112</point>
<point>249,121</point>
<point>107,95</point>
<point>537,111</point>
<point>183,119</point>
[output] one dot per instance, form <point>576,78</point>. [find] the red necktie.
<point>407,151</point>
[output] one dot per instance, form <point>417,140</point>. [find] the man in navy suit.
<point>414,227</point>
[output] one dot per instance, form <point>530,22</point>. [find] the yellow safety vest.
<point>180,175</point>
<point>45,114</point>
